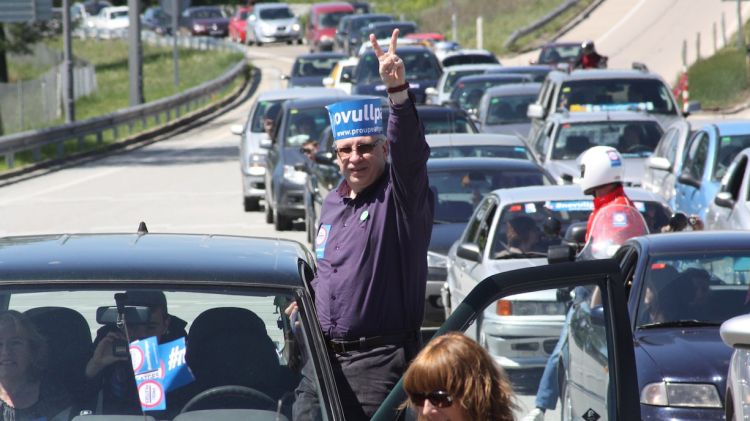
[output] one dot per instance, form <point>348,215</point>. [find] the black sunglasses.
<point>438,398</point>
<point>361,148</point>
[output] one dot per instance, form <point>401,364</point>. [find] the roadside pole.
<point>175,51</point>
<point>68,100</point>
<point>135,53</point>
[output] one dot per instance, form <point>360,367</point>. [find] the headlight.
<point>256,165</point>
<point>529,308</point>
<point>435,260</point>
<point>294,176</point>
<point>295,27</point>
<point>692,395</point>
<point>199,27</point>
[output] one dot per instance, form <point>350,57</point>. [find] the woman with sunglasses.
<point>454,378</point>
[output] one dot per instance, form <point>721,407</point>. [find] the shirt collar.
<point>603,200</point>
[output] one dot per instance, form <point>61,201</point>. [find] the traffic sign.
<point>14,11</point>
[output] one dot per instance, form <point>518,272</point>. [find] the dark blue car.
<point>422,71</point>
<point>682,286</point>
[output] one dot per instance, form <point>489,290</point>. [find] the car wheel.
<point>289,42</point>
<point>300,41</point>
<point>252,204</point>
<point>281,222</point>
<point>269,213</point>
<point>566,414</point>
<point>258,43</point>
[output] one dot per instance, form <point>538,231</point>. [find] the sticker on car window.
<point>570,206</point>
<point>293,111</point>
<point>530,208</point>
<point>566,89</point>
<point>725,140</point>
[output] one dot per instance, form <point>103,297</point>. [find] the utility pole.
<point>68,94</point>
<point>135,53</point>
<point>175,51</point>
<point>740,30</point>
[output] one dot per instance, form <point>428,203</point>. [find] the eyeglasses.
<point>438,398</point>
<point>345,152</point>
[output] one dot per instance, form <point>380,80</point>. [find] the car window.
<point>559,53</point>
<point>358,24</point>
<point>631,138</point>
<point>346,74</point>
<point>481,151</point>
<point>256,123</point>
<point>276,13</point>
<point>695,158</point>
<point>485,225</point>
<point>207,14</point>
<point>650,95</point>
<point>728,147</point>
<point>467,94</point>
<point>331,20</point>
<point>508,109</point>
<point>707,287</point>
<point>663,145</point>
<point>476,218</point>
<point>314,66</point>
<point>237,337</point>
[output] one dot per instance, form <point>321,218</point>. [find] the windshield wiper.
<point>680,323</point>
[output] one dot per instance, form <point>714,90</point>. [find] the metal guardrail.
<point>148,115</point>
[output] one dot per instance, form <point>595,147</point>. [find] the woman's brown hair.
<point>461,367</point>
<point>37,344</point>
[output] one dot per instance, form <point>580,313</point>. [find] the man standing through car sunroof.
<point>371,246</point>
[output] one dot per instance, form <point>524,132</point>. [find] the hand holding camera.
<point>111,349</point>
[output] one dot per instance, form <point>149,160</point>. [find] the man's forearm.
<point>399,98</point>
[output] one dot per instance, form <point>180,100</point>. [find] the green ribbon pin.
<point>364,215</point>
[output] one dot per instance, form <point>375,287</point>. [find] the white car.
<point>521,331</point>
<point>341,75</point>
<point>730,209</point>
<point>441,94</point>
<point>111,19</point>
<point>735,333</point>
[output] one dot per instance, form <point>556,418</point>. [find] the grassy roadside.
<point>111,61</point>
<point>719,81</point>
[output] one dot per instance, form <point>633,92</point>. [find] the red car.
<point>321,27</point>
<point>238,23</point>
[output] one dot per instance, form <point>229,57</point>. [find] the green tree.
<point>16,38</point>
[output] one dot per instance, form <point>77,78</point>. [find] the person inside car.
<point>310,148</point>
<point>523,237</point>
<point>112,375</point>
<point>269,119</point>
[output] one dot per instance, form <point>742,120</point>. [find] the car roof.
<point>322,54</point>
<point>602,74</point>
<point>325,100</point>
<point>482,164</point>
<point>259,6</point>
<point>491,77</point>
<point>152,257</point>
<point>593,116</point>
<point>470,139</point>
<point>732,128</point>
<point>695,241</point>
<point>301,92</point>
<point>566,192</point>
<point>514,89</point>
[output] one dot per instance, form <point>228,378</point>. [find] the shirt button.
<point>333,297</point>
<point>337,247</point>
<point>344,225</point>
<point>335,271</point>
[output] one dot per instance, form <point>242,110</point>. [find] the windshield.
<point>305,67</point>
<point>207,14</point>
<point>358,24</point>
<point>237,337</point>
<point>480,151</point>
<point>459,191</point>
<point>617,95</point>
<point>468,93</point>
<point>507,109</point>
<point>708,287</point>
<point>304,125</point>
<point>633,139</point>
<point>119,14</point>
<point>382,32</point>
<point>454,75</point>
<point>553,54</point>
<point>276,13</point>
<point>435,123</point>
<point>420,65</point>
<point>566,212</point>
<point>728,148</point>
<point>469,59</point>
<point>331,20</point>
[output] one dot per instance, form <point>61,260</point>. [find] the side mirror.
<point>724,199</point>
<point>266,143</point>
<point>325,158</point>
<point>690,181</point>
<point>469,251</point>
<point>693,106</point>
<point>284,77</point>
<point>236,129</point>
<point>430,91</point>
<point>734,331</point>
<point>535,110</point>
<point>659,163</point>
<point>328,82</point>
<point>561,253</point>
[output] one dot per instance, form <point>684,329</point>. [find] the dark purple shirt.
<point>372,250</point>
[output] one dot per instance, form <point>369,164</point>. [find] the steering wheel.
<point>258,398</point>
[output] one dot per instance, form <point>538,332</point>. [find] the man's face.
<point>268,126</point>
<point>156,326</point>
<point>361,160</point>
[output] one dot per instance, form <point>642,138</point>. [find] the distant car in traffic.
<point>111,20</point>
<point>255,142</point>
<point>440,95</point>
<point>157,20</point>
<point>536,72</point>
<point>567,135</point>
<point>502,109</point>
<point>682,287</point>
<point>469,90</point>
<point>204,20</point>
<point>705,161</point>
<point>468,56</point>
<point>348,36</point>
<point>521,331</point>
<point>558,52</point>
<point>322,22</point>
<point>477,145</point>
<point>310,69</point>
<point>422,71</point>
<point>272,22</point>
<point>238,24</point>
<point>730,209</point>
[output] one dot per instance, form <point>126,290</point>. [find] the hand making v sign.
<point>392,70</point>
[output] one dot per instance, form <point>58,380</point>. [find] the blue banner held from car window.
<point>158,369</point>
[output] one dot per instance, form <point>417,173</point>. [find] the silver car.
<point>272,22</point>
<point>252,155</point>
<point>521,331</point>
<point>568,134</point>
<point>735,332</point>
<point>441,94</point>
<point>730,209</point>
<point>502,109</point>
<point>479,145</point>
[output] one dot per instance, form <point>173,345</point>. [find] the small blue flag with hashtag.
<point>177,373</point>
<point>158,369</point>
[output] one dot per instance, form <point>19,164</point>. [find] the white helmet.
<point>600,165</point>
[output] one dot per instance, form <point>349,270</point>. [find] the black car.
<point>245,354</point>
<point>422,71</point>
<point>157,20</point>
<point>310,69</point>
<point>383,30</point>
<point>437,119</point>
<point>469,90</point>
<point>348,36</point>
<point>204,20</point>
<point>537,73</point>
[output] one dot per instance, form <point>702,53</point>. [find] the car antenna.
<point>142,229</point>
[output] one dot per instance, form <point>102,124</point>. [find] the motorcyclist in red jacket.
<point>589,58</point>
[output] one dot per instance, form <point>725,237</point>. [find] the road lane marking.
<point>622,21</point>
